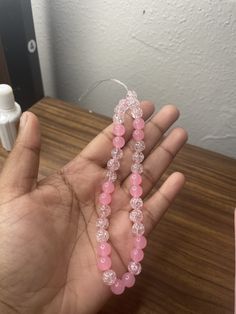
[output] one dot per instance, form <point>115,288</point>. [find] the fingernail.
<point>23,119</point>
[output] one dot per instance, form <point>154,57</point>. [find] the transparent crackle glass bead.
<point>104,211</point>
<point>137,168</point>
<point>119,118</point>
<point>117,153</point>
<point>132,93</point>
<point>138,146</point>
<point>109,277</point>
<point>136,215</point>
<point>111,176</point>
<point>136,112</point>
<point>102,235</point>
<point>121,107</point>
<point>134,268</point>
<point>138,228</point>
<point>102,223</point>
<point>136,203</point>
<point>138,157</point>
<point>113,164</point>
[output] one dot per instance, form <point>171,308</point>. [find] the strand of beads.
<point>136,216</point>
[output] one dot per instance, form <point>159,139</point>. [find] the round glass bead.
<point>104,262</point>
<point>102,235</point>
<point>136,190</point>
<point>136,203</point>
<point>104,211</point>
<point>121,107</point>
<point>105,198</point>
<point>134,268</point>
<point>135,179</point>
<point>136,215</point>
<point>118,287</point>
<point>118,118</point>
<point>108,187</point>
<point>109,277</point>
<point>128,280</point>
<point>138,228</point>
<point>113,164</point>
<point>140,242</point>
<point>111,176</point>
<point>136,112</point>
<point>137,168</point>
<point>138,157</point>
<point>118,141</point>
<point>102,223</point>
<point>118,129</point>
<point>136,255</point>
<point>138,124</point>
<point>139,146</point>
<point>117,153</point>
<point>138,135</point>
<point>103,249</point>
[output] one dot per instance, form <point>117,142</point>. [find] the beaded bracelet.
<point>109,276</point>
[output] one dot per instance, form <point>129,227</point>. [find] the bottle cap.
<point>10,113</point>
<point>7,100</point>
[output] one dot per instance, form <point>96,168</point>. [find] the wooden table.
<point>189,263</point>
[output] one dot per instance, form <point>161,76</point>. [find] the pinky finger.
<point>158,203</point>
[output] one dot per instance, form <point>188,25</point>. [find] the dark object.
<point>18,52</point>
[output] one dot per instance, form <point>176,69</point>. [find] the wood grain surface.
<point>189,262</point>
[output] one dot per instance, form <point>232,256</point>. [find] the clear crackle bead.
<point>121,107</point>
<point>113,164</point>
<point>138,157</point>
<point>134,268</point>
<point>102,223</point>
<point>138,146</point>
<point>137,168</point>
<point>109,277</point>
<point>117,153</point>
<point>102,235</point>
<point>136,112</point>
<point>119,118</point>
<point>111,176</point>
<point>136,215</point>
<point>136,203</point>
<point>104,211</point>
<point>138,228</point>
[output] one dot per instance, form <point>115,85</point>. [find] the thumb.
<point>20,172</point>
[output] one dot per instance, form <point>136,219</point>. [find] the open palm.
<point>47,228</point>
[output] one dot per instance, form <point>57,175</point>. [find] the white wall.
<point>169,51</point>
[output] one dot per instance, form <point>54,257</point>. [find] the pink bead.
<point>108,187</point>
<point>118,142</point>
<point>138,124</point>
<point>104,249</point>
<point>138,135</point>
<point>104,263</point>
<point>128,280</point>
<point>105,198</point>
<point>136,190</point>
<point>118,129</point>
<point>137,255</point>
<point>140,242</point>
<point>118,287</point>
<point>135,179</point>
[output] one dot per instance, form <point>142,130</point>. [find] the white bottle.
<point>10,113</point>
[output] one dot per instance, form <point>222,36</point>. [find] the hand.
<point>47,228</point>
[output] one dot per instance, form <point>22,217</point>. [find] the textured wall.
<point>170,51</point>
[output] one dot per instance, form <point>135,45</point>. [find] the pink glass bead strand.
<point>104,251</point>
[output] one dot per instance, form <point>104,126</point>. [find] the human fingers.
<point>99,149</point>
<point>20,171</point>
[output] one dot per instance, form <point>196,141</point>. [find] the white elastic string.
<point>92,87</point>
